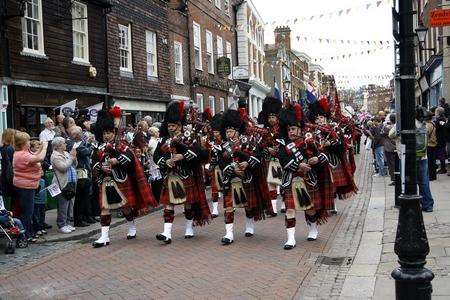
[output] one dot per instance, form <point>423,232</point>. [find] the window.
<point>80,33</point>
<point>219,47</point>
<point>125,48</point>
<point>222,104</point>
<point>197,46</point>
<point>230,56</point>
<point>152,58</point>
<point>217,3</point>
<point>32,32</point>
<point>209,52</point>
<point>199,100</point>
<point>178,58</point>
<point>212,104</point>
<point>226,4</point>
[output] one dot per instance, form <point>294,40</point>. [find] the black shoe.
<point>99,245</point>
<point>392,184</point>
<point>131,237</point>
<point>442,171</point>
<point>289,247</point>
<point>81,224</point>
<point>333,212</point>
<point>90,220</point>
<point>188,236</point>
<point>214,216</point>
<point>283,210</point>
<point>428,210</point>
<point>46,226</point>
<point>226,241</point>
<point>97,219</point>
<point>248,234</point>
<point>272,215</point>
<point>163,238</point>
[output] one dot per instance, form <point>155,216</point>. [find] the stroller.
<point>10,230</point>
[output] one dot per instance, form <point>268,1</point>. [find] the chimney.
<point>283,35</point>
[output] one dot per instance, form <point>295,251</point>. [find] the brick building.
<point>211,36</point>
<point>283,64</point>
<point>139,57</point>
<point>179,51</point>
<point>55,53</point>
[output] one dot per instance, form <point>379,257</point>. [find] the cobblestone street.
<point>255,267</point>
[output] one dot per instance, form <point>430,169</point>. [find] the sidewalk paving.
<point>370,274</point>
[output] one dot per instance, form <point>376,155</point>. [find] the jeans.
<point>424,184</point>
<point>26,198</point>
<point>39,217</point>
<point>379,158</point>
<point>63,210</point>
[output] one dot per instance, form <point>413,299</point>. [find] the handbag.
<point>68,191</point>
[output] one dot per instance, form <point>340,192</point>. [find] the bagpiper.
<point>120,176</point>
<point>243,183</point>
<point>301,162</point>
<point>214,143</point>
<point>268,117</point>
<point>180,157</point>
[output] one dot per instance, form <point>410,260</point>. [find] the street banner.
<point>439,18</point>
<point>93,111</point>
<point>67,108</point>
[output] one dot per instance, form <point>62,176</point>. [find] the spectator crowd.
<point>62,156</point>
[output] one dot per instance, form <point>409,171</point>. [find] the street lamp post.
<point>412,280</point>
<point>287,87</point>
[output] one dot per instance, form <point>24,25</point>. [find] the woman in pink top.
<point>27,173</point>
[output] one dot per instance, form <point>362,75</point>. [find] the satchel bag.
<point>69,190</point>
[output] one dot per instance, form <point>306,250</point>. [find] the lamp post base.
<point>412,280</point>
<point>413,283</point>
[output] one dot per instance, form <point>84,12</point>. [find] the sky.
<point>360,24</point>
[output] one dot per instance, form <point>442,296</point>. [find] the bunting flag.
<point>353,54</point>
<point>322,40</point>
<point>338,13</point>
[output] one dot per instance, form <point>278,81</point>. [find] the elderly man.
<point>149,121</point>
<point>82,207</point>
<point>48,134</point>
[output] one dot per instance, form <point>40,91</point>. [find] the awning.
<point>145,106</point>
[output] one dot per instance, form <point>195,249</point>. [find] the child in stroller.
<point>11,228</point>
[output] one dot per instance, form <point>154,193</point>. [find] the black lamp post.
<point>421,33</point>
<point>412,280</point>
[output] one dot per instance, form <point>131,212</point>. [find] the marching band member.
<point>301,162</point>
<point>243,181</point>
<point>180,157</point>
<point>269,118</point>
<point>215,140</point>
<point>120,176</point>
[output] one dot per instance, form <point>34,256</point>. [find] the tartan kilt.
<point>313,192</point>
<point>128,192</point>
<point>339,178</point>
<point>192,195</point>
<point>255,204</point>
<point>214,188</point>
<point>327,189</point>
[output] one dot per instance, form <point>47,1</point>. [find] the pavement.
<point>352,259</point>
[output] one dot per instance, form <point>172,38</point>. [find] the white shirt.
<point>2,206</point>
<point>47,135</point>
<point>76,145</point>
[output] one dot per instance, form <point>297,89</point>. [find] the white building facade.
<point>251,57</point>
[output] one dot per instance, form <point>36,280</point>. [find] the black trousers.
<point>392,161</point>
<point>432,166</point>
<point>82,207</point>
<point>38,217</point>
<point>358,146</point>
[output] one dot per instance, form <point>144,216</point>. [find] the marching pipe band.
<point>307,159</point>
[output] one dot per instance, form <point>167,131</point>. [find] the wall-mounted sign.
<point>240,72</point>
<point>223,66</point>
<point>440,18</point>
